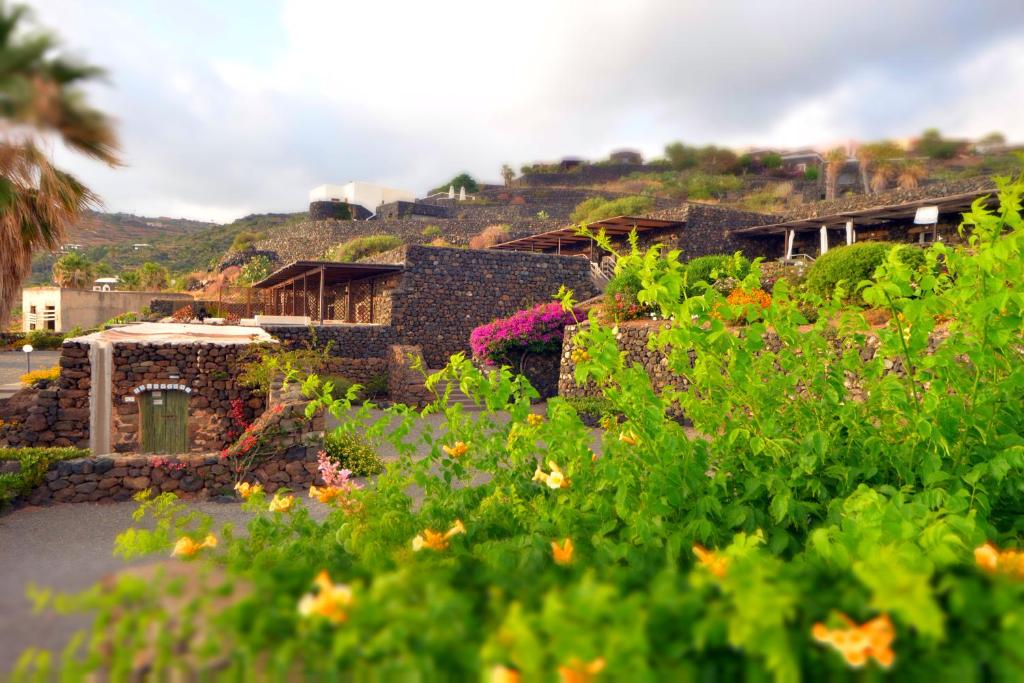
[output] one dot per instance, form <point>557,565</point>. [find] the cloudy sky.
<point>230,107</point>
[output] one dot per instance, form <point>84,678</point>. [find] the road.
<point>12,367</point>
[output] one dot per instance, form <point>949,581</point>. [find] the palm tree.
<point>41,96</point>
<point>74,270</point>
<point>834,162</point>
<point>910,174</point>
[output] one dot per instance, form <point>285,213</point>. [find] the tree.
<point>74,271</point>
<point>834,162</point>
<point>875,161</point>
<point>934,146</point>
<point>681,156</point>
<point>462,180</point>
<point>507,174</point>
<point>718,160</point>
<point>255,270</point>
<point>130,280</point>
<point>772,160</point>
<point>909,174</point>
<point>153,277</point>
<point>42,98</point>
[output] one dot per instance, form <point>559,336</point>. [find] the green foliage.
<point>34,463</point>
<point>254,270</point>
<point>772,160</point>
<point>245,239</point>
<point>270,362</point>
<point>850,264</point>
<point>599,208</point>
<point>42,339</point>
<point>825,484</point>
<point>707,270</point>
<point>353,452</point>
<point>462,180</point>
<point>934,146</point>
<point>812,173</point>
<point>709,159</point>
<point>74,270</point>
<point>701,185</point>
<point>361,247</point>
<point>431,231</point>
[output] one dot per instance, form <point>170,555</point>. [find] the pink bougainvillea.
<point>538,329</point>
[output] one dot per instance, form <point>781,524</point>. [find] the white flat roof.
<point>179,333</point>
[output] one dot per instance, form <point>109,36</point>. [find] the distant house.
<point>626,156</point>
<point>570,163</point>
<point>59,309</point>
<point>368,196</point>
<point>802,159</point>
<point>105,284</point>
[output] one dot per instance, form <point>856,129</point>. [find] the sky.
<point>231,107</point>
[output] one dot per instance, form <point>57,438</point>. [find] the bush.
<point>534,330</point>
<point>43,339</point>
<point>431,231</point>
<point>254,270</point>
<point>462,180</point>
<point>353,452</point>
<point>36,377</point>
<point>708,186</point>
<point>620,295</point>
<point>361,247</point>
<point>489,236</point>
<point>34,463</point>
<point>811,173</point>
<point>245,239</point>
<point>599,208</point>
<point>853,263</point>
<point>712,268</point>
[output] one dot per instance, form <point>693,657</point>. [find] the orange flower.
<point>458,450</point>
<point>715,564</point>
<point>993,560</point>
<point>435,540</point>
<point>562,554</point>
<point>281,503</point>
<point>326,494</point>
<point>330,601</point>
<point>503,674</point>
<point>534,420</point>
<point>579,672</point>
<point>245,489</point>
<point>186,547</point>
<point>629,437</point>
<point>858,644</point>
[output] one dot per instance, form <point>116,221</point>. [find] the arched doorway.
<point>164,421</point>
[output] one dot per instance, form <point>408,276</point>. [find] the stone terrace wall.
<point>58,413</point>
<point>210,370</point>
<point>358,352</point>
<point>295,442</point>
<point>708,231</point>
<point>586,175</point>
<point>445,293</point>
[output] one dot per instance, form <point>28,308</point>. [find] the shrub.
<point>620,295</point>
<point>462,180</point>
<point>34,463</point>
<point>361,247</point>
<point>850,264</point>
<point>431,231</point>
<point>245,239</point>
<point>184,314</point>
<point>254,270</point>
<point>811,173</point>
<point>534,330</point>
<point>489,236</point>
<point>43,376</point>
<point>599,208</point>
<point>709,269</point>
<point>353,452</point>
<point>701,185</point>
<point>43,339</point>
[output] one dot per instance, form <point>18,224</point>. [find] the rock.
<point>136,483</point>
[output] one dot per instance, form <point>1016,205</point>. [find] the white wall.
<point>367,195</point>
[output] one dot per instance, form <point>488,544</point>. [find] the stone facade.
<point>358,352</point>
<point>708,230</point>
<point>405,383</point>
<point>411,209</point>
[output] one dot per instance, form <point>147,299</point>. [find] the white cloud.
<point>233,108</point>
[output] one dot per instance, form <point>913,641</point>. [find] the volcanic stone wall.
<point>357,352</point>
<point>211,371</point>
<point>445,293</point>
<point>708,230</point>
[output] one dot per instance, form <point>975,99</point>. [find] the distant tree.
<point>746,162</point>
<point>245,239</point>
<point>153,277</point>
<point>41,100</point>
<point>834,162</point>
<point>255,270</point>
<point>599,208</point>
<point>130,280</point>
<point>74,270</point>
<point>811,173</point>
<point>507,174</point>
<point>681,156</point>
<point>103,269</point>
<point>993,138</point>
<point>876,159</point>
<point>718,160</point>
<point>462,180</point>
<point>934,146</point>
<point>909,174</point>
<point>489,236</point>
<point>772,160</point>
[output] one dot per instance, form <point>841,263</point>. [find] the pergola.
<point>872,216</point>
<point>556,239</point>
<point>324,290</point>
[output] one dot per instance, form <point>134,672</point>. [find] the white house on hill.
<point>367,195</point>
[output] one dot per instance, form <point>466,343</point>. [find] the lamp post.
<point>27,348</point>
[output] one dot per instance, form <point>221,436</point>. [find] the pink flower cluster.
<point>536,329</point>
<point>333,475</point>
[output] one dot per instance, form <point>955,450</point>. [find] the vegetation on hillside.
<point>361,247</point>
<point>44,98</point>
<point>599,208</point>
<point>462,180</point>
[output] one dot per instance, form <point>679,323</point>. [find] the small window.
<point>32,309</point>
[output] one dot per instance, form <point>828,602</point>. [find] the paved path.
<point>12,363</point>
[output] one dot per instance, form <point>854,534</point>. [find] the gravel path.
<point>12,363</point>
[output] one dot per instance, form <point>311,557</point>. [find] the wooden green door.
<point>164,416</point>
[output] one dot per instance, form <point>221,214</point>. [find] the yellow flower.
<point>458,450</point>
<point>540,475</point>
<point>503,674</point>
<point>245,489</point>
<point>579,672</point>
<point>534,420</point>
<point>629,437</point>
<point>330,601</point>
<point>709,558</point>
<point>858,643</point>
<point>435,540</point>
<point>326,495</point>
<point>281,503</point>
<point>555,480</point>
<point>186,547</point>
<point>562,554</point>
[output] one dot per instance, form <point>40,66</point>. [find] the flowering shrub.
<point>250,443</point>
<point>184,314</point>
<point>534,330</point>
<point>799,532</point>
<point>41,376</point>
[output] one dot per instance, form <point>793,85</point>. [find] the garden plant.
<point>837,517</point>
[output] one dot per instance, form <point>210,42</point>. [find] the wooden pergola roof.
<point>619,225</point>
<point>949,204</point>
<point>333,273</point>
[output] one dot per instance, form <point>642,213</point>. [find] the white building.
<point>366,195</point>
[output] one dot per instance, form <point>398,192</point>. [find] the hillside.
<point>96,228</point>
<point>183,252</point>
